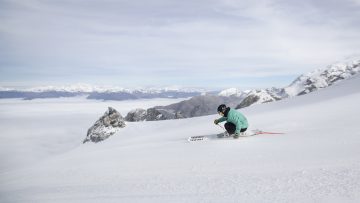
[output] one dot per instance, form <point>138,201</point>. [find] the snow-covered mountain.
<point>259,97</point>
<point>99,92</point>
<point>87,88</point>
<point>316,160</point>
<point>322,78</point>
<point>206,105</point>
<point>73,88</point>
<point>80,87</point>
<point>233,92</point>
<point>306,83</point>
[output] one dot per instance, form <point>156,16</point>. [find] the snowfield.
<point>35,129</point>
<point>317,160</point>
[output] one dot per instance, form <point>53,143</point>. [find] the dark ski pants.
<point>230,128</point>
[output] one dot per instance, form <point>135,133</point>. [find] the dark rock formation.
<point>196,106</point>
<point>248,101</point>
<point>136,115</point>
<point>107,125</point>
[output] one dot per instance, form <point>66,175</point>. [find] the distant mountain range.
<point>99,93</point>
<point>201,102</point>
<point>207,104</point>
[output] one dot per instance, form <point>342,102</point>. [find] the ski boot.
<point>242,134</point>
<point>223,135</point>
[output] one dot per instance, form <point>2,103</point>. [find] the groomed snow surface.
<point>317,160</point>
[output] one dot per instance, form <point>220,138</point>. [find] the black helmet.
<point>221,108</point>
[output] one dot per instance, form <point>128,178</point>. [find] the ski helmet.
<point>221,108</point>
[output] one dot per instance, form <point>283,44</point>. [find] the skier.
<point>236,122</point>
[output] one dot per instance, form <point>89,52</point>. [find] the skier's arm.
<point>222,119</point>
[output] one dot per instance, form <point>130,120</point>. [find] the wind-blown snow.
<point>317,160</point>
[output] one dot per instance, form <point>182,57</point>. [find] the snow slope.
<point>36,129</point>
<point>317,160</point>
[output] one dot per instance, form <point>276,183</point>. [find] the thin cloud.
<point>161,39</point>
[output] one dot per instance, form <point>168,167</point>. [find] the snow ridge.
<point>322,78</point>
<point>232,92</point>
<point>306,83</point>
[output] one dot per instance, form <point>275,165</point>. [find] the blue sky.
<point>198,43</point>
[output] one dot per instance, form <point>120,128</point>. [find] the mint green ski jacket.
<point>237,118</point>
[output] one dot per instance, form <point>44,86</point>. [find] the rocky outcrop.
<point>248,101</point>
<point>196,106</point>
<point>199,106</point>
<point>136,115</point>
<point>107,125</point>
<point>261,96</point>
<point>151,114</point>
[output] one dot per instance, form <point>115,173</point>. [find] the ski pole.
<point>220,126</point>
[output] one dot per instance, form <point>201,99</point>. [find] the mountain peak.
<point>321,78</point>
<point>231,92</point>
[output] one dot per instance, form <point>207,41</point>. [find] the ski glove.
<point>216,121</point>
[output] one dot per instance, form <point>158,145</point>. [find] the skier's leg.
<point>242,131</point>
<point>230,128</point>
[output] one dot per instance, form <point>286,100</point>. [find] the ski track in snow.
<point>317,160</point>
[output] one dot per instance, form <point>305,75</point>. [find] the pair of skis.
<point>248,134</point>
